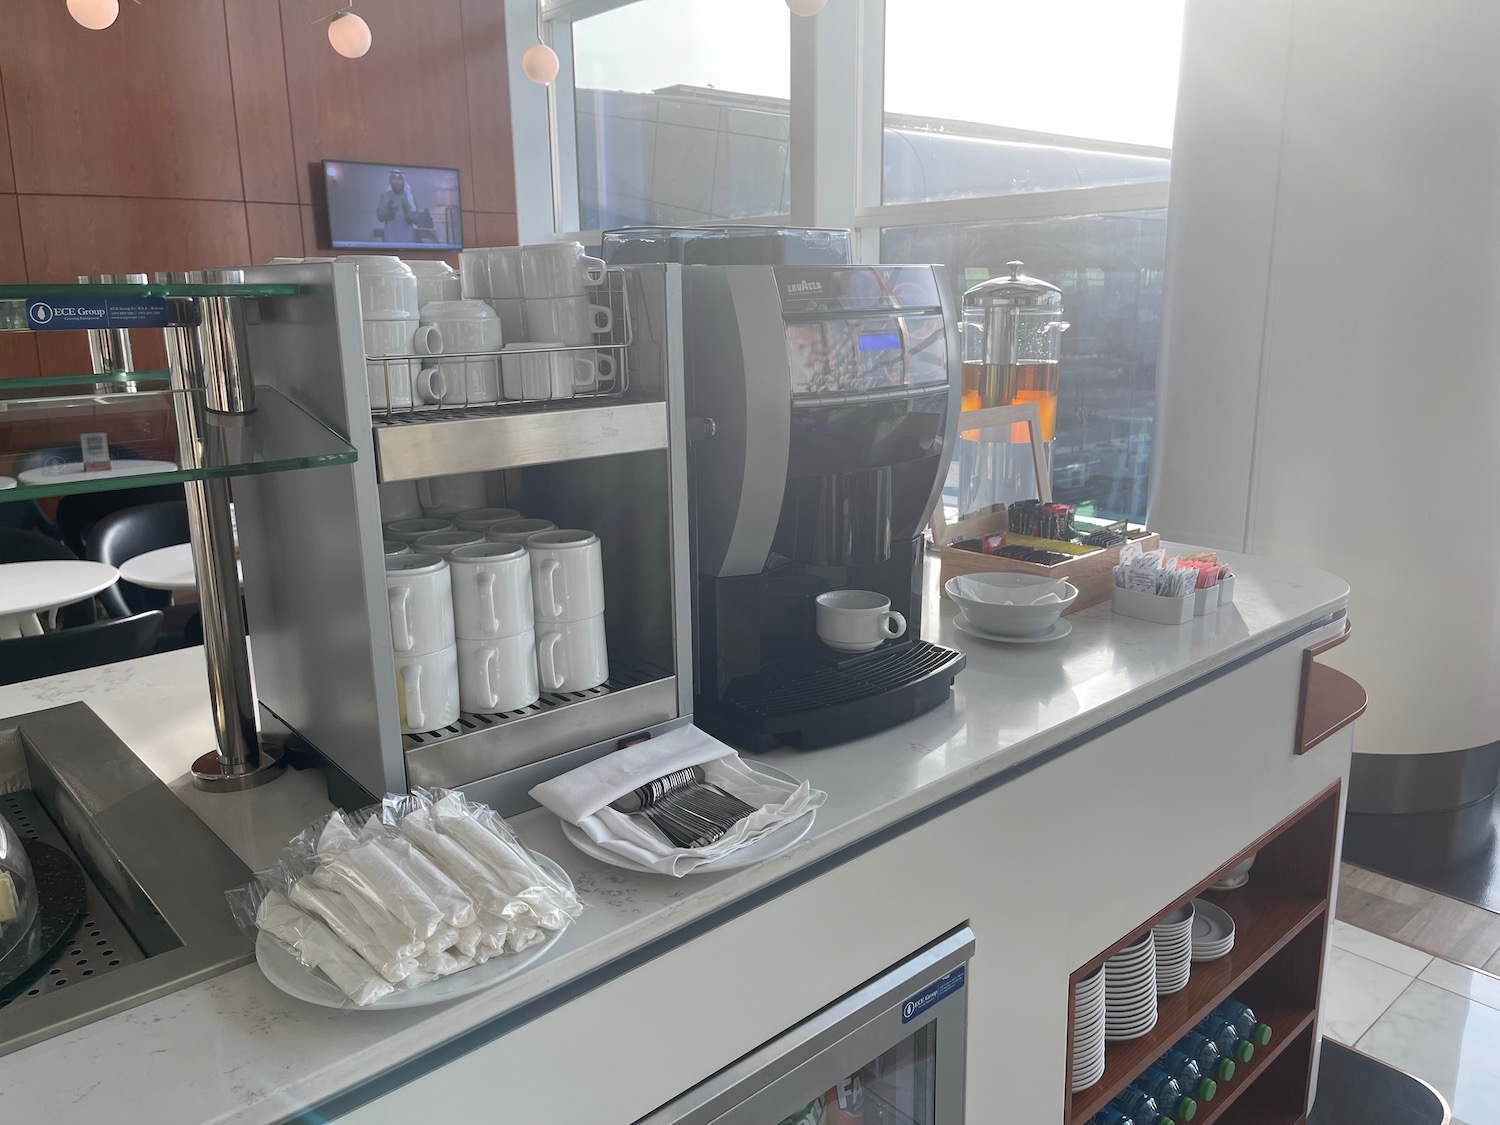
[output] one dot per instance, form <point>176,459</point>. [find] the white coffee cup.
<point>427,689</point>
<point>491,590</point>
<point>567,575</point>
<point>436,281</point>
<point>387,287</point>
<point>447,496</point>
<point>602,370</point>
<point>491,271</point>
<point>398,501</point>
<point>397,547</point>
<point>409,531</point>
<point>420,597</point>
<point>567,320</point>
<point>517,531</point>
<point>512,314</point>
<point>391,380</point>
<point>466,327</point>
<point>857,620</point>
<point>444,543</point>
<point>497,673</point>
<point>538,376</point>
<point>482,519</point>
<point>571,655</point>
<point>558,269</point>
<point>459,382</point>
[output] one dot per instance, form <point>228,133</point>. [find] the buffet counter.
<point>1066,794</point>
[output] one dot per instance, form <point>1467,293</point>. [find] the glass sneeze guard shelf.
<point>45,291</point>
<point>45,382</point>
<point>40,441</point>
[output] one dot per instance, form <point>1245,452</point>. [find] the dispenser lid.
<point>1017,290</point>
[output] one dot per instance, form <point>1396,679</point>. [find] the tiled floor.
<point>1444,927</point>
<point>1431,1018</point>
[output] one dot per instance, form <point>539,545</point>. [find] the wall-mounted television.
<point>392,206</point>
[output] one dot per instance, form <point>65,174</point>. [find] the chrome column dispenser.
<point>1012,332</point>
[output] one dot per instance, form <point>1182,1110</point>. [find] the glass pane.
<point>41,442</point>
<point>1027,96</point>
<point>1110,269</point>
<point>898,1088</point>
<point>682,112</point>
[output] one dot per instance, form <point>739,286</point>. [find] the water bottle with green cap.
<point>1245,1021</point>
<point>1109,1115</point>
<point>1168,1095</point>
<point>1189,1074</point>
<point>1205,1052</point>
<point>1140,1108</point>
<point>1231,1044</point>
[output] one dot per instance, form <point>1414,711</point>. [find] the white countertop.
<point>234,1049</point>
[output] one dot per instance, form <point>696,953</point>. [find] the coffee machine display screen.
<point>843,356</point>
<point>880,342</point>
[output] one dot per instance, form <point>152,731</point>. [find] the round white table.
<point>69,471</point>
<point>29,588</point>
<point>166,568</point>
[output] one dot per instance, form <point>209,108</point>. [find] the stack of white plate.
<point>1088,1030</point>
<point>1130,991</point>
<point>1213,931</point>
<point>1173,940</point>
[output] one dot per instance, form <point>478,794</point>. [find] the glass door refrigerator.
<point>889,1053</point>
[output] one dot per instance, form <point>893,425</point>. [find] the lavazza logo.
<point>805,287</point>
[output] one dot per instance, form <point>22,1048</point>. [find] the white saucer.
<point>1134,1033</point>
<point>7,482</point>
<point>1212,925</point>
<point>1058,631</point>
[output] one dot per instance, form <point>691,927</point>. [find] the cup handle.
<point>487,602</point>
<point>584,371</point>
<point>400,626</point>
<point>546,658</point>
<point>428,340</point>
<point>593,269</point>
<point>432,384</point>
<point>601,318</point>
<point>411,692</point>
<point>892,624</point>
<point>548,578</point>
<point>605,364</point>
<point>492,699</point>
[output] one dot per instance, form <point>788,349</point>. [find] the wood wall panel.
<point>492,181</point>
<point>494,230</point>
<point>275,231</point>
<point>263,116</point>
<point>143,109</point>
<point>18,356</point>
<point>7,174</point>
<point>404,102</point>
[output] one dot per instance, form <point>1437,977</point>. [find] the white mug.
<point>567,575</point>
<point>436,281</point>
<point>397,547</point>
<point>409,531</point>
<point>857,620</point>
<point>482,519</point>
<point>463,382</point>
<point>447,496</point>
<point>497,673</point>
<point>601,370</point>
<point>427,689</point>
<point>398,501</point>
<point>567,320</point>
<point>512,314</point>
<point>420,597</point>
<point>387,288</point>
<point>558,269</point>
<point>517,531</point>
<point>491,271</point>
<point>444,543</point>
<point>538,376</point>
<point>491,590</point>
<point>391,379</point>
<point>466,326</point>
<point>571,655</point>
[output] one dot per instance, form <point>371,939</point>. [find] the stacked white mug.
<point>389,311</point>
<point>447,496</point>
<point>464,328</point>
<point>436,280</point>
<point>420,596</point>
<point>567,581</point>
<point>492,607</point>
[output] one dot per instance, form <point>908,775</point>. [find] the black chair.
<point>123,535</point>
<point>87,646</point>
<point>27,546</point>
<point>78,515</point>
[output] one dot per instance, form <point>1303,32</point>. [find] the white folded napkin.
<point>583,797</point>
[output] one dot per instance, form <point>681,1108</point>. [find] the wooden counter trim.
<point>1328,700</point>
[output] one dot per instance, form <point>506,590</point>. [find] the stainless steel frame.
<point>790,1071</point>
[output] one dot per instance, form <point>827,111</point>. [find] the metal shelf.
<point>513,435</point>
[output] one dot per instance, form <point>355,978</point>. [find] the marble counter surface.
<point>234,1049</point>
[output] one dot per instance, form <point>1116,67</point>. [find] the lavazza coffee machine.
<point>822,404</point>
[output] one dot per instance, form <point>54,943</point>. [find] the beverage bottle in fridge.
<point>1163,1089</point>
<point>1227,1038</point>
<point>810,1114</point>
<point>845,1103</point>
<point>1205,1052</point>
<point>1109,1115</point>
<point>1189,1074</point>
<point>1140,1108</point>
<point>1244,1021</point>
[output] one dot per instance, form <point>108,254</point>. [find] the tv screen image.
<point>392,206</point>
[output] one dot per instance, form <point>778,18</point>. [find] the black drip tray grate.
<point>800,688</point>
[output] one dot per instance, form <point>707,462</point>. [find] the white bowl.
<point>984,597</point>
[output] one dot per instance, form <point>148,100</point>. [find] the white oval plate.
<point>281,967</point>
<point>1211,924</point>
<point>1058,631</point>
<point>773,843</point>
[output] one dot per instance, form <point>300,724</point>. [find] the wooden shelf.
<point>1266,918</point>
<point>1334,700</point>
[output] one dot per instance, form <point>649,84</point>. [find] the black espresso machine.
<point>822,403</point>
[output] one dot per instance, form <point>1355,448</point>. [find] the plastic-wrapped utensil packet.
<point>415,888</point>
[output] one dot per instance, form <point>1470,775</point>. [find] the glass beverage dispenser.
<point>1012,329</point>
